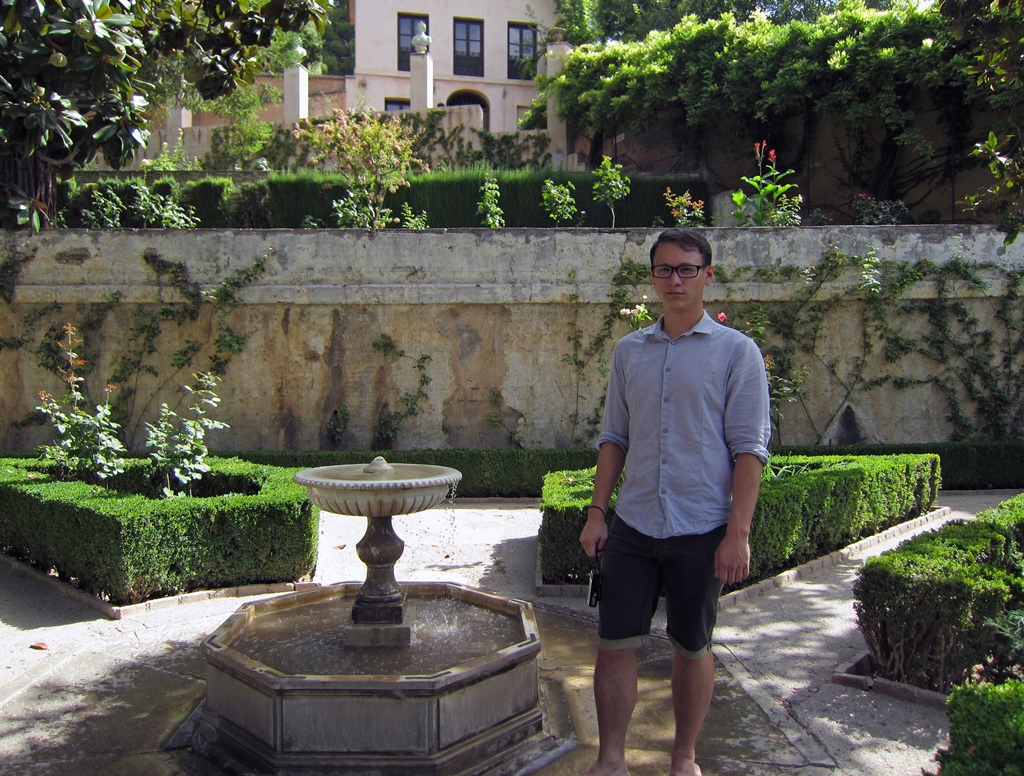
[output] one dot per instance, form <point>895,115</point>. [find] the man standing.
<point>687,418</point>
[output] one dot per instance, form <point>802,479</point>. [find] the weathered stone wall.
<point>493,309</point>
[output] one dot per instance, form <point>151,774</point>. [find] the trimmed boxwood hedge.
<point>986,731</point>
<point>123,543</point>
<point>965,465</point>
<point>926,608</point>
<point>821,503</point>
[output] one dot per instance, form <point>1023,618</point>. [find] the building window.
<point>392,103</point>
<point>406,32</point>
<point>522,51</point>
<point>469,47</point>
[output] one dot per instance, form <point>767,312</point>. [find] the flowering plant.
<point>559,202</point>
<point>685,210</point>
<point>86,443</point>
<point>488,209</point>
<point>179,449</point>
<point>638,316</point>
<point>769,205</point>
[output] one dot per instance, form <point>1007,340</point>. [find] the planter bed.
<point>246,524</point>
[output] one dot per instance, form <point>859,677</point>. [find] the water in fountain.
<point>308,640</point>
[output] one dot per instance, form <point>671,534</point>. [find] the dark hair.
<point>687,239</point>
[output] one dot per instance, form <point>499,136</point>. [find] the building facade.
<point>483,53</point>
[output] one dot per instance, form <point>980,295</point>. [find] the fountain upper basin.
<point>379,489</point>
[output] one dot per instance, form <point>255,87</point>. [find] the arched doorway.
<point>471,98</point>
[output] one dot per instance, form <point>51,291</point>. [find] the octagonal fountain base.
<point>469,707</point>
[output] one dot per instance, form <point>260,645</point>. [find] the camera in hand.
<point>594,588</point>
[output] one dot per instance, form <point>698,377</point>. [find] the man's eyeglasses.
<point>664,271</point>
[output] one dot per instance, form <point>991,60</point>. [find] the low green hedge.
<point>819,504</point>
<point>485,473</point>
<point>986,731</point>
<point>965,465</point>
<point>926,608</point>
<point>122,543</point>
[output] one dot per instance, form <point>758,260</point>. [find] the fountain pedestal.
<point>380,599</point>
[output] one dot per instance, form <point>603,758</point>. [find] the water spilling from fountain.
<point>379,677</point>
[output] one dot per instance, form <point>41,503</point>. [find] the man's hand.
<point>732,560</point>
<point>594,535</point>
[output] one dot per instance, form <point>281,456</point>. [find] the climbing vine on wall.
<point>389,422</point>
<point>146,341</point>
<point>595,350</point>
<point>941,340</point>
<point>971,353</point>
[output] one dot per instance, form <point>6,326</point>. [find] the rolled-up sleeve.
<point>616,407</point>
<point>747,421</point>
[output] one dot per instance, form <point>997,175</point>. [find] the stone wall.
<point>492,309</point>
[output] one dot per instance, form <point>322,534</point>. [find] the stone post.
<point>562,146</point>
<point>296,94</point>
<point>178,118</point>
<point>421,82</point>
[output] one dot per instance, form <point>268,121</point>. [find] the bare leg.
<point>693,683</point>
<point>615,695</point>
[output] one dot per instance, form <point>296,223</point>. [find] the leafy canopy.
<point>70,72</point>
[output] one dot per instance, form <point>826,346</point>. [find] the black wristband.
<point>595,506</point>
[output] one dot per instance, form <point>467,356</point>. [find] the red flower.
<point>722,317</point>
<point>771,156</point>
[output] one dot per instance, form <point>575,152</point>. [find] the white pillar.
<point>178,118</point>
<point>296,94</point>
<point>562,146</point>
<point>421,82</point>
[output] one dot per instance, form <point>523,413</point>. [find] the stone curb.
<point>858,676</point>
<point>831,560</point>
<point>157,604</point>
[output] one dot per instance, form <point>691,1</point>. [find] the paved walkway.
<point>84,694</point>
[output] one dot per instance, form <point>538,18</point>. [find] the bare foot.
<point>685,768</point>
<point>600,769</point>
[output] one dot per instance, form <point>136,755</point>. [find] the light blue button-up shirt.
<point>683,409</point>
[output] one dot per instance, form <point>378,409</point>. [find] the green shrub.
<point>249,205</point>
<point>965,465</point>
<point>828,503</point>
<point>929,609</point>
<point>563,507</point>
<point>986,731</point>
<point>450,198</point>
<point>247,524</point>
<point>210,198</point>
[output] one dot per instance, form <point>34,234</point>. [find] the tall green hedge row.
<point>123,543</point>
<point>450,199</point>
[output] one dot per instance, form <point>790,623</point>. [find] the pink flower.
<point>771,156</point>
<point>722,317</point>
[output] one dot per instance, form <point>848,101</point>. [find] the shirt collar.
<point>704,326</point>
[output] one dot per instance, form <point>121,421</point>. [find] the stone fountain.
<point>378,678</point>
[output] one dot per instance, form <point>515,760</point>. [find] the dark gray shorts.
<point>634,570</point>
